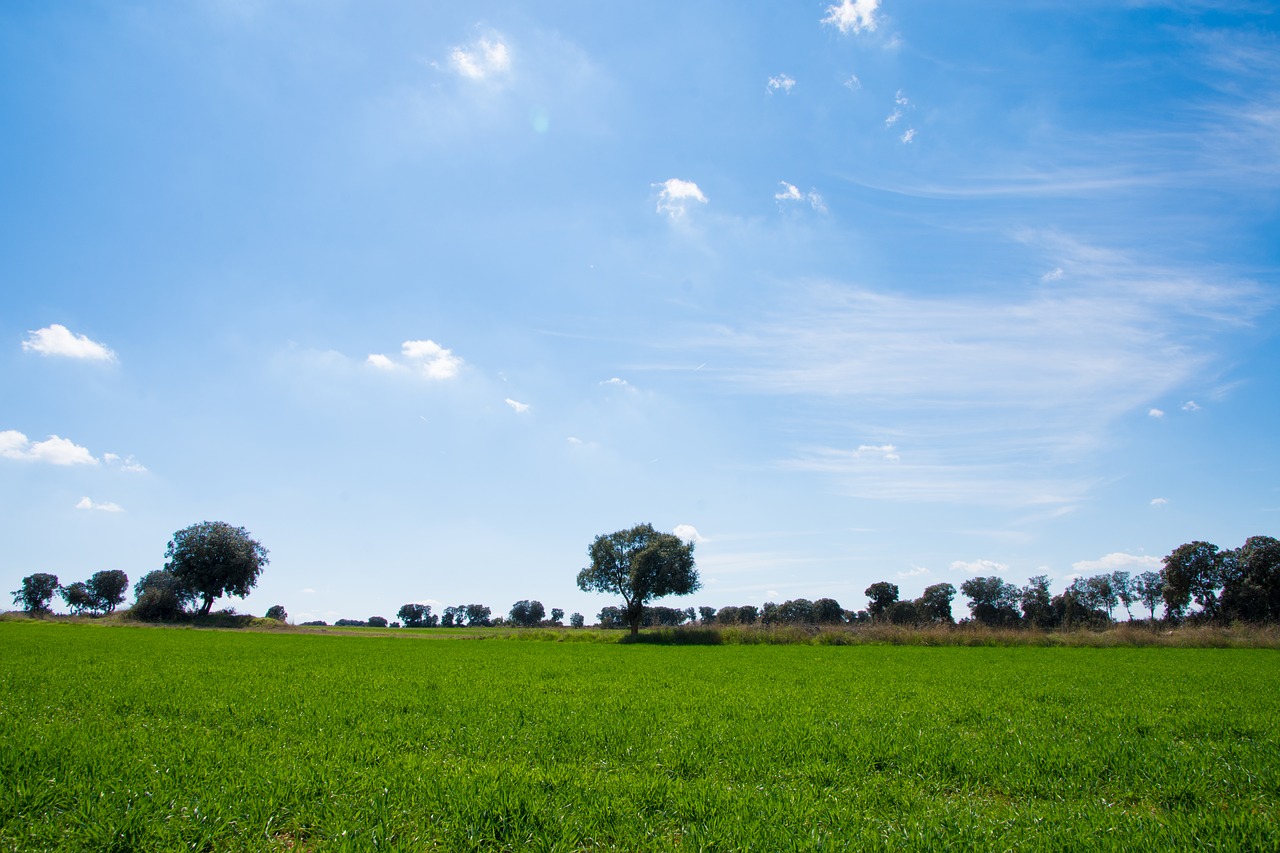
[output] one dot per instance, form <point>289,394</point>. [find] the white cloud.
<point>688,533</point>
<point>53,450</point>
<point>790,192</point>
<point>1155,413</point>
<point>620,383</point>
<point>914,572</point>
<point>59,340</point>
<point>892,119</point>
<point>979,567</point>
<point>1117,560</point>
<point>887,452</point>
<point>908,136</point>
<point>901,99</point>
<point>125,463</point>
<point>1190,406</point>
<point>86,503</point>
<point>520,408</point>
<point>675,195</point>
<point>483,59</point>
<point>574,440</point>
<point>1055,274</point>
<point>853,15</point>
<point>427,358</point>
<point>781,83</point>
<point>1159,502</point>
<point>853,83</point>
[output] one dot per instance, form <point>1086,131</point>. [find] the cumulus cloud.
<point>688,533</point>
<point>620,383</point>
<point>914,572</point>
<point>853,16</point>
<point>979,567</point>
<point>426,358</point>
<point>53,450</point>
<point>1118,560</point>
<point>1155,413</point>
<point>483,59</point>
<point>58,340</point>
<point>887,452</point>
<point>86,503</point>
<point>1159,502</point>
<point>1191,406</point>
<point>517,406</point>
<point>675,195</point>
<point>781,83</point>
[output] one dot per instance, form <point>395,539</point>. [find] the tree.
<point>1100,594</point>
<point>880,595</point>
<point>576,620</point>
<point>36,592</point>
<point>1036,602</point>
<point>1192,571</point>
<point>707,615</point>
<point>1149,587</point>
<point>213,559</point>
<point>477,614</point>
<point>827,611</point>
<point>277,612</point>
<point>77,597</point>
<point>934,604</point>
<point>1253,592</point>
<point>108,589</point>
<point>557,616</point>
<point>377,622</point>
<point>902,613</point>
<point>159,596</point>
<point>992,601</point>
<point>526,613</point>
<point>1122,586</point>
<point>639,564</point>
<point>415,615</point>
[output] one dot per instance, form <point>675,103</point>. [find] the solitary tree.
<point>108,589</point>
<point>557,616</point>
<point>934,604</point>
<point>639,564</point>
<point>36,592</point>
<point>526,613</point>
<point>576,620</point>
<point>213,559</point>
<point>277,612</point>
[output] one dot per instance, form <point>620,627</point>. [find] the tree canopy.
<point>639,564</point>
<point>213,559</point>
<point>36,592</point>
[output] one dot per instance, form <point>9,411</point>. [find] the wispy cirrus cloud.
<point>484,59</point>
<point>57,340</point>
<point>516,406</point>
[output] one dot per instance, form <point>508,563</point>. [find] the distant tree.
<point>827,611</point>
<point>315,623</point>
<point>1101,595</point>
<point>668,617</point>
<point>414,615</point>
<point>477,614</point>
<point>452,616</point>
<point>557,616</point>
<point>214,559</point>
<point>797,611</point>
<point>278,613</point>
<point>934,604</point>
<point>639,564</point>
<point>576,620</point>
<point>377,622</point>
<point>902,613</point>
<point>769,614</point>
<point>351,623</point>
<point>77,597</point>
<point>36,592</point>
<point>159,596</point>
<point>1122,586</point>
<point>707,615</point>
<point>108,589</point>
<point>748,614</point>
<point>611,617</point>
<point>1192,572</point>
<point>1252,592</point>
<point>992,601</point>
<point>1149,587</point>
<point>526,613</point>
<point>1071,607</point>
<point>727,615</point>
<point>879,596</point>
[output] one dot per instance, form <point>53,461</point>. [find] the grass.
<point>164,739</point>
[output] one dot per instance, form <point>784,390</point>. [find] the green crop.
<point>167,739</point>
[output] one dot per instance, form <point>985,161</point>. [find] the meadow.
<point>142,738</point>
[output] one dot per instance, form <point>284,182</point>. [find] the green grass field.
<point>118,738</point>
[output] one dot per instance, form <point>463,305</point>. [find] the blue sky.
<point>426,296</point>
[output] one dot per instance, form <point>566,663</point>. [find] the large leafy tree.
<point>213,559</point>
<point>108,589</point>
<point>527,614</point>
<point>1193,571</point>
<point>639,564</point>
<point>881,595</point>
<point>36,592</point>
<point>992,601</point>
<point>77,597</point>
<point>1253,589</point>
<point>934,604</point>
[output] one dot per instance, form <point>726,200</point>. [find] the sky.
<point>426,296</point>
